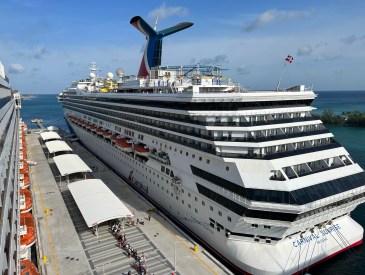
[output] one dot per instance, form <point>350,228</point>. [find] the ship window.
<point>180,151</point>
<point>170,147</point>
<point>203,203</point>
<point>158,185</point>
<point>268,241</point>
<point>162,169</point>
<point>177,198</point>
<point>187,154</point>
<point>189,195</point>
<point>196,199</point>
<point>227,168</point>
<point>182,201</point>
<point>175,149</point>
<point>189,205</point>
<point>208,161</point>
<point>267,226</point>
<point>182,191</point>
<point>220,213</point>
<point>172,174</point>
<point>211,208</point>
<point>229,218</point>
<point>254,225</point>
<point>153,141</point>
<point>167,171</point>
<point>196,210</point>
<point>200,158</point>
<point>162,187</point>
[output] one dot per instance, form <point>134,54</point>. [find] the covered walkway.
<point>97,202</point>
<point>71,164</point>
<point>56,146</point>
<point>46,136</point>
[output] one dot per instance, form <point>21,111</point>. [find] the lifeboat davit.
<point>27,267</point>
<point>123,144</point>
<point>141,149</point>
<point>27,231</point>
<point>25,198</point>
<point>24,181</point>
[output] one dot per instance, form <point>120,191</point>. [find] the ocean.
<point>47,108</point>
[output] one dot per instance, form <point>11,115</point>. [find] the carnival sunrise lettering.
<point>314,236</point>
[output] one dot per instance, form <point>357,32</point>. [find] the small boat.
<point>25,199</point>
<point>141,149</point>
<point>24,181</point>
<point>123,144</point>
<point>27,231</point>
<point>107,134</point>
<point>100,130</point>
<point>27,267</point>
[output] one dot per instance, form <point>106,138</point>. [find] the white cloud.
<point>164,12</point>
<point>352,39</point>
<point>324,57</point>
<point>39,52</point>
<point>16,68</point>
<point>243,70</point>
<point>272,16</point>
<point>218,59</point>
<point>305,50</point>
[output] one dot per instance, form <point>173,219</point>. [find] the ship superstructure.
<point>9,176</point>
<point>252,174</point>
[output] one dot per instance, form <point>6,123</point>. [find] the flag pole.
<point>281,75</point>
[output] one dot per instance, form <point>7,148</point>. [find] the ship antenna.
<point>156,21</point>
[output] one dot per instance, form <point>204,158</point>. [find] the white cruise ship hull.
<point>288,256</point>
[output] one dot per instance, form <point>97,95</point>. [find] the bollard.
<point>196,250</point>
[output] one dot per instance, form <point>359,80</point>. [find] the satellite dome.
<point>110,75</point>
<point>120,72</point>
<point>92,75</point>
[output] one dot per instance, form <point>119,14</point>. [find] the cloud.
<point>325,57</point>
<point>338,71</point>
<point>218,59</point>
<point>243,70</point>
<point>272,16</point>
<point>305,50</point>
<point>39,52</point>
<point>164,11</point>
<point>352,39</point>
<point>16,68</point>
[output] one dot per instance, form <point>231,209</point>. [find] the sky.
<point>45,45</point>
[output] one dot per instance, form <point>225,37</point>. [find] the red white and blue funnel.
<point>153,51</point>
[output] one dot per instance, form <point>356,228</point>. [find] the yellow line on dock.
<point>45,218</point>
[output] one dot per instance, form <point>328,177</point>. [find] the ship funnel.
<point>152,53</point>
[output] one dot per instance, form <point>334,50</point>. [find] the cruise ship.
<point>251,174</point>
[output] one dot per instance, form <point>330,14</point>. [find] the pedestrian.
<point>149,217</point>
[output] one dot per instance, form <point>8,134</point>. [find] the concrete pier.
<point>71,247</point>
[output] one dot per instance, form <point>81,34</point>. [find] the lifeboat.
<point>107,134</point>
<point>25,200</point>
<point>23,167</point>
<point>24,153</point>
<point>122,144</point>
<point>24,181</point>
<point>93,128</point>
<point>27,267</point>
<point>100,130</point>
<point>27,231</point>
<point>141,149</point>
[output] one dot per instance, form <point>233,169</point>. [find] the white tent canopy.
<point>55,146</point>
<point>70,164</point>
<point>49,135</point>
<point>97,202</point>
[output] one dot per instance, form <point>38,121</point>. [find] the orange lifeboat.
<point>27,231</point>
<point>23,167</point>
<point>25,198</point>
<point>27,267</point>
<point>122,144</point>
<point>100,130</point>
<point>141,149</point>
<point>24,181</point>
<point>107,134</point>
<point>93,128</point>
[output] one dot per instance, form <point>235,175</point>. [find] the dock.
<point>65,245</point>
<point>39,123</point>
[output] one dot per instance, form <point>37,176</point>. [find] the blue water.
<point>47,108</point>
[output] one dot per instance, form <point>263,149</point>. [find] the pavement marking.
<point>189,249</point>
<point>45,218</point>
